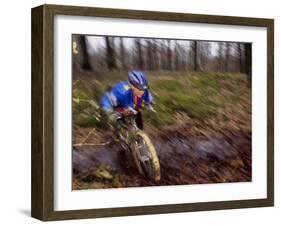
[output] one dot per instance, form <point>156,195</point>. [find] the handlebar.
<point>126,111</point>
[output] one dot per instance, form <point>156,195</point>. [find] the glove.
<point>114,116</point>
<point>132,110</point>
<point>150,108</point>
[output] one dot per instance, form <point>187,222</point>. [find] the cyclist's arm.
<point>148,98</point>
<point>106,104</point>
<point>149,101</point>
<point>127,104</point>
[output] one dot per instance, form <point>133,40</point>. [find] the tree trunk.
<point>176,54</point>
<point>195,56</point>
<point>150,59</point>
<point>122,54</point>
<point>155,55</point>
<point>203,56</point>
<point>110,53</point>
<point>241,64</point>
<point>80,50</point>
<point>163,58</point>
<point>139,54</point>
<point>220,58</point>
<point>227,57</point>
<point>248,60</point>
<point>169,55</point>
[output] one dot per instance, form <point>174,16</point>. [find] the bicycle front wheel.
<point>146,157</point>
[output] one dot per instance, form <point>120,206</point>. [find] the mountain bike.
<point>137,144</point>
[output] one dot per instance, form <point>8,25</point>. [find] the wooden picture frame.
<point>43,112</point>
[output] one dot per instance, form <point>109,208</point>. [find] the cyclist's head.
<point>138,80</point>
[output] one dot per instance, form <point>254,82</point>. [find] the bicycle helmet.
<point>138,79</point>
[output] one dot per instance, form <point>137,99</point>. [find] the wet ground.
<point>183,159</point>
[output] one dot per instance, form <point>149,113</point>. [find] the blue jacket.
<point>121,95</point>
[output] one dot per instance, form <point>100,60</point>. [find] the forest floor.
<point>184,159</point>
<point>201,132</point>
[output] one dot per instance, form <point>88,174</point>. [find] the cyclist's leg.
<point>139,120</point>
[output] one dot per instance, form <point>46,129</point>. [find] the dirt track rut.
<point>184,160</point>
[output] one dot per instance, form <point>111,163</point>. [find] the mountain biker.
<point>127,98</point>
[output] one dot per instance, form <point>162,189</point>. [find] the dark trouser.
<point>139,120</point>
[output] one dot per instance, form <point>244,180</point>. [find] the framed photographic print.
<point>141,112</point>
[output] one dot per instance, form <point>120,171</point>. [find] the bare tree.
<point>220,56</point>
<point>227,58</point>
<point>163,58</point>
<point>195,53</point>
<point>240,54</point>
<point>122,54</point>
<point>155,55</point>
<point>149,53</point>
<point>110,53</point>
<point>205,53</point>
<point>138,45</point>
<point>248,60</point>
<point>163,54</point>
<point>169,55</point>
<point>80,51</point>
<point>176,55</point>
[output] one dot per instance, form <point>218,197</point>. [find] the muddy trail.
<point>217,158</point>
